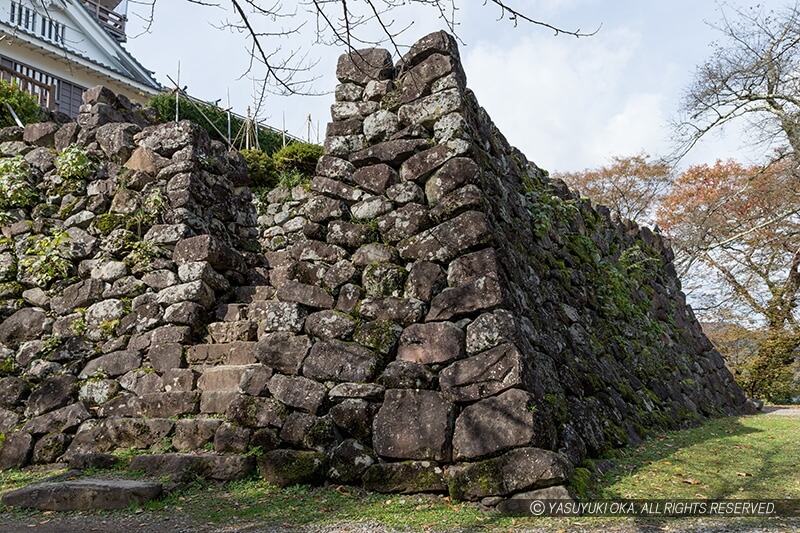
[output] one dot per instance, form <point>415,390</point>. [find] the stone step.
<point>230,353</point>
<point>231,312</point>
<point>237,330</point>
<point>225,378</point>
<point>254,293</point>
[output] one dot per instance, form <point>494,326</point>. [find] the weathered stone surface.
<point>406,478</point>
<point>455,173</point>
<point>308,295</point>
<point>354,417</point>
<point>112,365</point>
<point>448,240</point>
<point>493,425</point>
<point>439,42</point>
<point>380,126</point>
<point>361,66</point>
<point>185,467</point>
<point>334,167</point>
<point>40,133</point>
<point>333,187</point>
<point>350,235</point>
<point>209,249</point>
<point>223,378</point>
<point>49,448</point>
<point>84,495</point>
<point>435,342</point>
<point>231,439</point>
<point>407,375</point>
<point>367,391</point>
<point>518,470</point>
<point>479,294</point>
<point>483,375</point>
<point>16,449</point>
<point>25,325</point>
<point>8,420</point>
<point>467,198</point>
<point>379,335</point>
<point>405,193</point>
<point>419,166</point>
<point>56,392</point>
<point>425,280</point>
<point>426,419</point>
<point>238,330</point>
<point>298,392</point>
<point>234,353</point>
<point>256,412</point>
<point>490,330</point>
<point>372,253</point>
<point>194,434</point>
<point>113,433</point>
<point>339,361</point>
<point>349,460</point>
<point>65,419</point>
<point>389,152</point>
<point>370,208</point>
<point>327,325</point>
<point>13,391</point>
<point>283,351</point>
<point>428,109</point>
<point>194,291</point>
<point>166,356</point>
<point>376,178</point>
<point>472,266</point>
<point>317,251</point>
<point>383,280</point>
<point>277,316</point>
<point>292,467</point>
<point>304,430</point>
<point>405,311</point>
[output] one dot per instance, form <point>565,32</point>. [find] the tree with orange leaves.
<point>741,225</point>
<point>629,186</point>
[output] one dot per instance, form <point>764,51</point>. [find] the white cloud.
<point>561,101</point>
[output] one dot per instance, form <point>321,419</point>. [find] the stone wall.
<point>430,313</point>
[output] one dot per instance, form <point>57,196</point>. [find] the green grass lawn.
<point>748,457</point>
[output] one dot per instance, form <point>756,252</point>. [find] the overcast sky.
<point>567,103</point>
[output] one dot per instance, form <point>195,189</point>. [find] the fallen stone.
<point>84,495</point>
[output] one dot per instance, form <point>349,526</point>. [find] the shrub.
<point>15,187</point>
<point>164,104</point>
<point>25,105</point>
<point>48,260</point>
<point>73,163</point>
<point>301,157</point>
<point>261,168</point>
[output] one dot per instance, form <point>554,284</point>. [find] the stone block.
<point>435,342</point>
<point>408,477</point>
<point>518,470</point>
<point>494,425</point>
<point>339,361</point>
<point>483,375</point>
<point>414,424</point>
